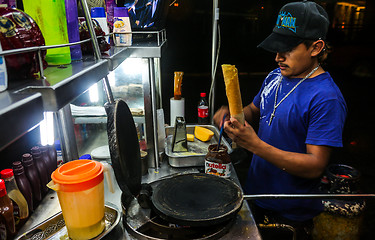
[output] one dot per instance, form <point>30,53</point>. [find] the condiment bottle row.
<point>22,188</point>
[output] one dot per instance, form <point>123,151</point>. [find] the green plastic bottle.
<point>51,19</point>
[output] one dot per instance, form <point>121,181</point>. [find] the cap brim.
<point>278,43</point>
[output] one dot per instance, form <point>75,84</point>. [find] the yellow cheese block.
<point>190,137</point>
<point>203,134</point>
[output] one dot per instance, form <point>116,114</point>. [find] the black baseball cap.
<point>296,22</point>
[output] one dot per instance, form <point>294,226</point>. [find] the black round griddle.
<point>124,147</point>
<point>196,199</point>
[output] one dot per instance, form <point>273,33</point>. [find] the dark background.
<point>243,25</point>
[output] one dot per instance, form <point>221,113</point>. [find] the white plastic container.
<point>3,73</point>
<point>121,27</point>
<point>98,13</point>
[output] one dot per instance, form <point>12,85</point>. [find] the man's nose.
<point>279,57</point>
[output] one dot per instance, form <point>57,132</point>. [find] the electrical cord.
<point>210,97</point>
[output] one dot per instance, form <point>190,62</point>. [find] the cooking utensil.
<point>179,143</point>
<point>221,132</point>
<point>196,199</point>
<point>203,200</point>
<point>124,147</point>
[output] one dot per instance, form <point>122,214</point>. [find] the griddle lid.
<point>197,199</point>
<point>124,149</point>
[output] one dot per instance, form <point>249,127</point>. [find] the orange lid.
<point>78,175</point>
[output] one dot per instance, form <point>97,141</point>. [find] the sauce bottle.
<point>20,208</point>
<point>7,224</point>
<point>33,176</point>
<point>41,167</point>
<point>23,184</point>
<point>217,161</point>
<point>53,156</point>
<point>47,161</point>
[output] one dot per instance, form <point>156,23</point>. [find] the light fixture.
<point>47,131</point>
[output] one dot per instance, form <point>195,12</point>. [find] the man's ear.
<point>317,47</point>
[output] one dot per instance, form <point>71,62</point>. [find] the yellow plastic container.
<point>80,189</point>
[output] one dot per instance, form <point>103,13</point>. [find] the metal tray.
<point>197,149</point>
<point>54,227</point>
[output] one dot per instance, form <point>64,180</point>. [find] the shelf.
<point>102,119</point>
<point>64,84</point>
<point>19,113</point>
<point>141,49</point>
<point>115,56</point>
<point>146,50</point>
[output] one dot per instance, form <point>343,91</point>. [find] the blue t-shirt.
<point>314,113</point>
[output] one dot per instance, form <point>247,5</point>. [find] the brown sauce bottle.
<point>41,167</point>
<point>7,224</point>
<point>47,160</point>
<point>53,156</point>
<point>32,175</point>
<point>23,184</point>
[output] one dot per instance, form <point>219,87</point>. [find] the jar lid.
<point>6,173</point>
<point>3,190</point>
<point>78,175</point>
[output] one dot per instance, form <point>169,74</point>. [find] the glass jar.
<point>217,161</point>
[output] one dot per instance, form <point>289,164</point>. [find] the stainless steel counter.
<point>243,228</point>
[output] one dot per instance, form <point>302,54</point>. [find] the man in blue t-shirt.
<point>301,116</point>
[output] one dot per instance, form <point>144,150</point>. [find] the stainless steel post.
<point>151,69</point>
<point>90,27</point>
<point>151,116</point>
<point>66,132</point>
<point>159,103</point>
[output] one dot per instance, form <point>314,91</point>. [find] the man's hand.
<point>244,135</point>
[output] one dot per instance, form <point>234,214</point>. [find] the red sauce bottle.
<point>7,224</point>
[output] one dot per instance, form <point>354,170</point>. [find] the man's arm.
<point>307,165</point>
<point>251,113</point>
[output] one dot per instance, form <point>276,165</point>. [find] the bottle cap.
<point>203,94</point>
<point>43,148</point>
<point>120,12</point>
<point>78,175</point>
<point>6,173</point>
<point>35,151</point>
<point>97,12</point>
<point>17,168</point>
<point>3,190</point>
<point>27,159</point>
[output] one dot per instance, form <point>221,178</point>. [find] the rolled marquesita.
<point>232,88</point>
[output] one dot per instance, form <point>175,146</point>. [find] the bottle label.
<point>203,111</point>
<point>218,169</point>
